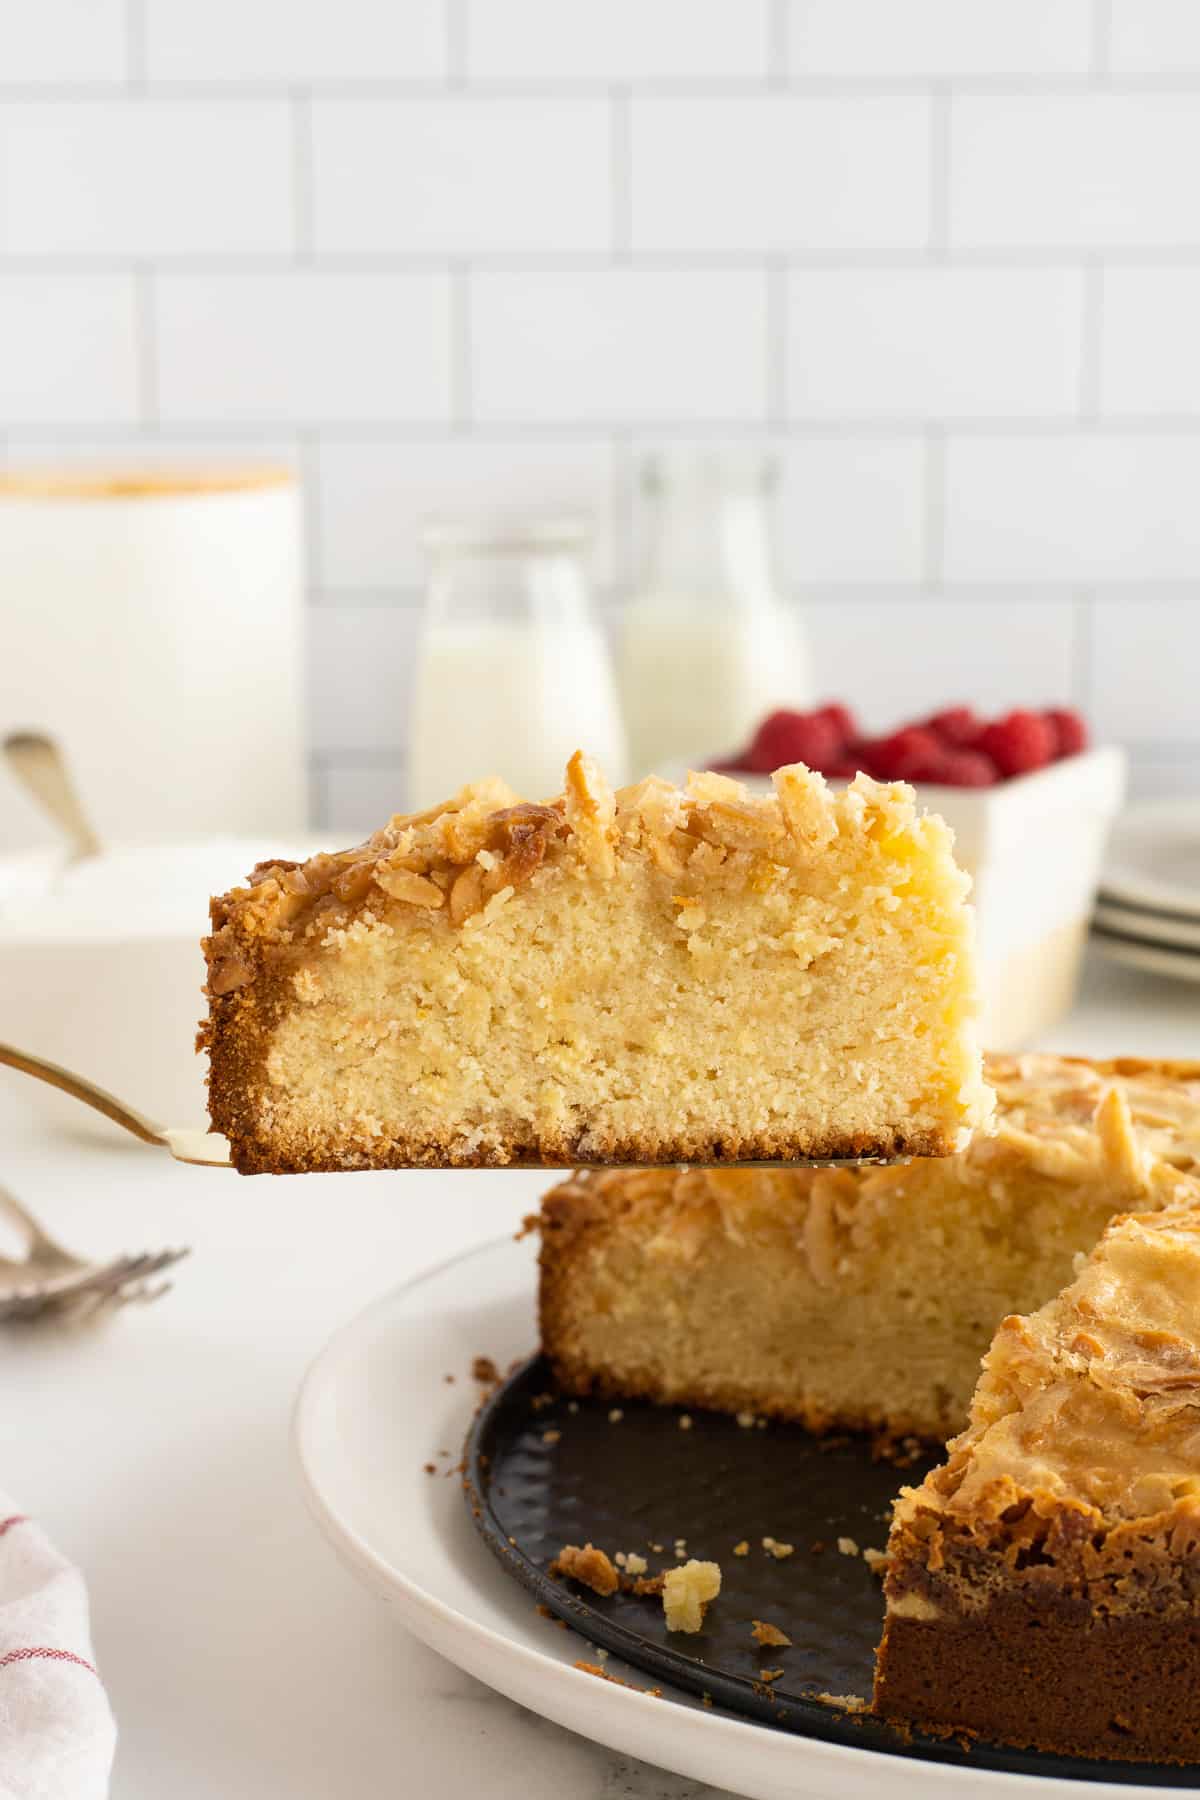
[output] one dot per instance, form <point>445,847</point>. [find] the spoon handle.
<point>38,762</point>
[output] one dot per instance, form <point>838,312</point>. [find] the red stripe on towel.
<point>32,1652</point>
<point>14,1519</point>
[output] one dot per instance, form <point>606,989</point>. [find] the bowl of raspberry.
<point>1030,800</point>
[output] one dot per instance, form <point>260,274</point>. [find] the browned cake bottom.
<point>1042,1629</point>
<point>1052,1678</point>
<point>254,1156</point>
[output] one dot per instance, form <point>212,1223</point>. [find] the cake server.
<point>211,1150</point>
<point>186,1145</point>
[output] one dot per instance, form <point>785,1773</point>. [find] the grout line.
<point>1083,627</point>
<point>866,429</point>
<point>939,173</point>
<point>145,305</point>
<point>329,757</point>
<point>1091,355</point>
<point>318,812</point>
<point>308,445</point>
<point>1101,56</point>
<point>778,44</point>
<point>303,197</point>
<point>777,342</point>
<point>933,554</point>
<point>329,596</point>
<point>621,170</point>
<point>714,87</point>
<point>135,45</point>
<point>461,395</point>
<point>624,505</point>
<point>456,43</point>
<point>696,261</point>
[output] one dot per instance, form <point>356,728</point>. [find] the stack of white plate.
<point>1148,907</point>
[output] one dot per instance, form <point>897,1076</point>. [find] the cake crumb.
<point>687,1592</point>
<point>594,1669</point>
<point>430,1468</point>
<point>847,1546</point>
<point>765,1633</point>
<point>448,1378</point>
<point>769,1674</point>
<point>635,1564</point>
<point>876,1560</point>
<point>851,1703</point>
<point>747,1421</point>
<point>774,1548</point>
<point>615,1416</point>
<point>706,1700</point>
<point>589,1566</point>
<point>572,1406</point>
<point>551,1437</point>
<point>483,1369</point>
<point>657,1549</point>
<point>685,1421</point>
<point>742,1549</point>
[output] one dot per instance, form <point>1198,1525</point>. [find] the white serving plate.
<point>375,1407</point>
<point>1154,857</point>
<point>1175,965</point>
<point>1160,930</point>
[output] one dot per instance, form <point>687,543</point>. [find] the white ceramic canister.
<point>151,623</point>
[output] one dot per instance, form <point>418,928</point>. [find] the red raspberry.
<point>788,737</point>
<point>907,755</point>
<point>955,725</point>
<point>1018,743</point>
<point>969,769</point>
<point>842,720</point>
<point>1069,728</point>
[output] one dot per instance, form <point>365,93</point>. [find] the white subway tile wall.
<point>940,259</point>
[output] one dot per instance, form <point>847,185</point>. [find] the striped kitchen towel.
<point>56,1728</point>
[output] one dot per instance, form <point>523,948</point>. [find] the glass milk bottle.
<point>709,646</point>
<point>513,674</point>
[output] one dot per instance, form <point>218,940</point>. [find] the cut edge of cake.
<point>1043,1585</point>
<point>697,1288</point>
<point>309,1070</point>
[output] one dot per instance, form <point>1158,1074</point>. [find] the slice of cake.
<point>1044,1583</point>
<point>864,1297</point>
<point>660,975</point>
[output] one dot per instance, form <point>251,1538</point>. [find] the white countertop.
<point>242,1660</point>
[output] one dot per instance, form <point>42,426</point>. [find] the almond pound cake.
<point>857,1297</point>
<point>659,975</point>
<point>1044,1583</point>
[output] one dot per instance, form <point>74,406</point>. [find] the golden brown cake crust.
<point>442,881</point>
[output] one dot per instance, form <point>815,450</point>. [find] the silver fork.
<point>49,1279</point>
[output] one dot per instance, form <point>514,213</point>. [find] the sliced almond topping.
<point>413,890</point>
<point>806,807</point>
<point>466,896</point>
<point>591,811</point>
<point>1123,1158</point>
